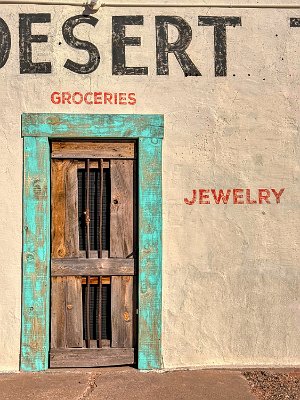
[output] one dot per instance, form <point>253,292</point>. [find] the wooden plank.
<point>64,191</point>
<point>90,357</point>
<point>122,311</point>
<point>92,266</point>
<point>36,255</point>
<point>66,312</point>
<point>92,149</point>
<point>66,297</point>
<point>94,280</point>
<point>58,312</point>
<point>121,245</point>
<point>121,209</point>
<point>92,125</point>
<point>150,254</point>
<point>74,318</point>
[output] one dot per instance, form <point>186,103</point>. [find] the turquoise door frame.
<point>37,129</point>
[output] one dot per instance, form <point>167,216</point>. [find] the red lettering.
<point>55,98</point>
<point>262,196</point>
<point>248,197</point>
<point>122,98</point>
<point>237,196</point>
<point>277,194</point>
<point>66,97</point>
<point>98,98</point>
<point>132,99</point>
<point>108,98</point>
<point>221,196</point>
<point>86,100</point>
<point>203,196</point>
<point>115,98</point>
<point>191,202</point>
<point>78,101</point>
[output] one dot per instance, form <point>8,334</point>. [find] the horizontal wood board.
<point>92,266</point>
<point>90,357</point>
<point>92,149</point>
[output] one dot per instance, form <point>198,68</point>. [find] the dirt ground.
<point>271,385</point>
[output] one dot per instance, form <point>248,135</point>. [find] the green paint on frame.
<point>37,129</point>
<point>36,255</point>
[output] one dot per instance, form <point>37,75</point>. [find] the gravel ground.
<point>267,385</point>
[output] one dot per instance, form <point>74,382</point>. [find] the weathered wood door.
<point>93,253</point>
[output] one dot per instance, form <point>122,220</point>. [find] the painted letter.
<point>71,40</point>
<point>277,194</point>
<point>221,196</point>
<point>262,196</point>
<point>120,40</point>
<point>163,47</point>
<point>237,196</point>
<point>55,98</point>
<point>191,202</point>
<point>5,42</point>
<point>26,39</point>
<point>219,24</point>
<point>295,22</point>
<point>248,197</point>
<point>203,196</point>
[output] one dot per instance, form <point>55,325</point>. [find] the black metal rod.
<point>100,208</point>
<point>87,248</point>
<point>100,313</point>
<point>87,208</point>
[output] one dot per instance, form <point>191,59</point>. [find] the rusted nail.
<point>69,306</point>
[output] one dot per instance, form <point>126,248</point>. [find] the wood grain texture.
<point>121,245</point>
<point>66,295</point>
<point>64,206</point>
<point>150,253</point>
<point>74,317</point>
<point>36,255</point>
<point>66,312</point>
<point>92,266</point>
<point>92,149</point>
<point>122,311</point>
<point>121,209</point>
<point>90,357</point>
<point>124,126</point>
<point>58,313</point>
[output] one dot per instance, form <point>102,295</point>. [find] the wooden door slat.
<point>121,245</point>
<point>121,209</point>
<point>90,357</point>
<point>92,266</point>
<point>74,321</point>
<point>92,149</point>
<point>58,313</point>
<point>64,199</point>
<point>122,311</point>
<point>66,306</point>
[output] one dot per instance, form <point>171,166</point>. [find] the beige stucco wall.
<point>230,272</point>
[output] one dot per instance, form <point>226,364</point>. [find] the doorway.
<point>39,132</point>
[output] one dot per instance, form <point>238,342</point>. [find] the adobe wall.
<point>230,271</point>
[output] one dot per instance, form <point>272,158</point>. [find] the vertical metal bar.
<point>100,207</point>
<point>100,313</point>
<point>100,165</point>
<point>87,248</point>
<point>87,208</point>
